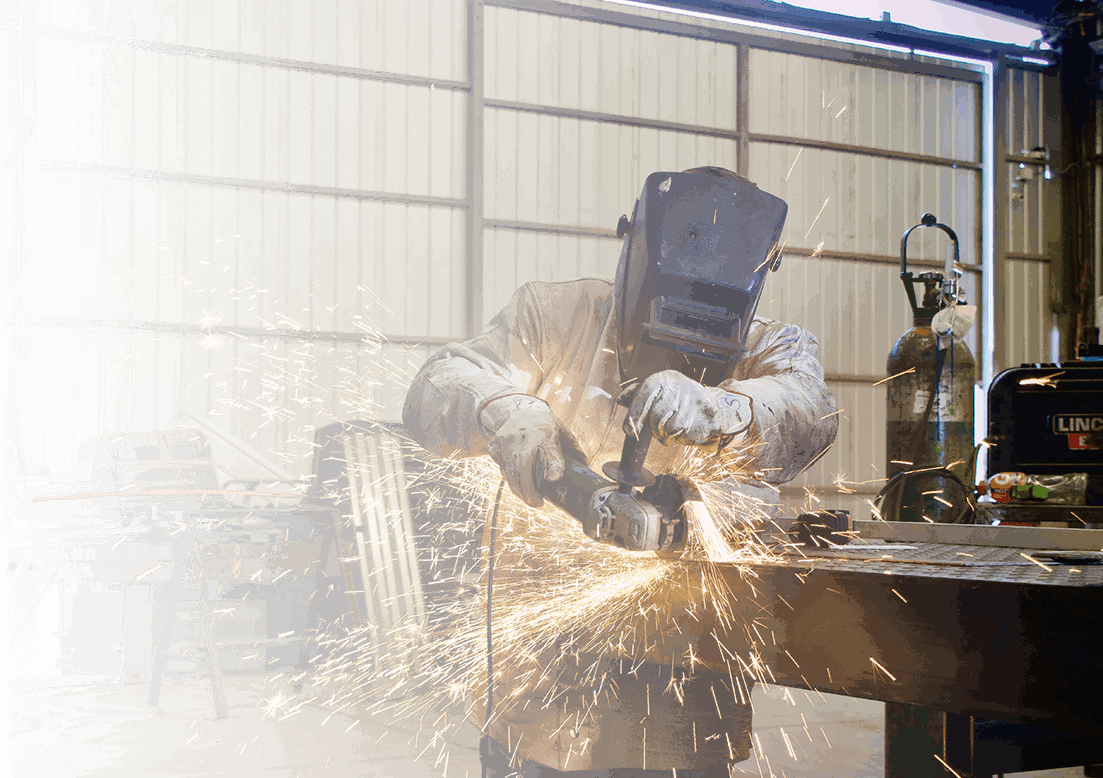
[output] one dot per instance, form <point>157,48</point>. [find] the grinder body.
<point>648,519</point>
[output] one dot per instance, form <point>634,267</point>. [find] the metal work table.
<point>963,635</point>
<point>139,560</point>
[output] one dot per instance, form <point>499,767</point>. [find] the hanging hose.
<point>484,744</point>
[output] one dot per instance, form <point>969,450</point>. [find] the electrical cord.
<point>485,743</point>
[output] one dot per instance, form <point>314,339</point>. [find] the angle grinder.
<point>627,506</point>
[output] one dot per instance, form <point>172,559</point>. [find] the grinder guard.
<point>691,272</point>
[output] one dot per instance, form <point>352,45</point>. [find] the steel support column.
<point>476,53</point>
<point>996,207</point>
<point>743,108</point>
<point>22,423</point>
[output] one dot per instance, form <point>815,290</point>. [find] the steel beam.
<point>184,329</point>
<point>253,184</point>
<point>741,36</point>
<point>743,108</point>
<point>476,117</point>
<point>252,59</point>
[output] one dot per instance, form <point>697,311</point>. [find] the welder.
<point>699,369</point>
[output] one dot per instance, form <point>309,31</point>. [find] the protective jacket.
<point>557,341</point>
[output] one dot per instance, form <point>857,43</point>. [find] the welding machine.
<point>1047,419</point>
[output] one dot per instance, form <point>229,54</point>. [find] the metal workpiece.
<point>994,635</point>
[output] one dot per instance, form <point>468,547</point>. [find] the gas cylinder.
<point>930,397</point>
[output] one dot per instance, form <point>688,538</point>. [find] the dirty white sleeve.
<point>794,412</point>
<point>446,395</point>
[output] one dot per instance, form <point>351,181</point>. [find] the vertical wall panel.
<point>195,247</point>
<point>92,84</point>
<point>51,420</point>
<point>568,63</point>
<point>838,198</point>
<point>819,99</point>
<point>10,373</point>
<point>9,211</point>
<point>422,37</point>
<point>249,121</point>
<point>1032,220</point>
<point>146,95</point>
<point>9,107</point>
<point>51,243</point>
<point>117,247</point>
<point>172,123</point>
<point>529,178</point>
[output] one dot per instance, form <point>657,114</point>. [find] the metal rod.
<point>241,447</point>
<point>39,600</point>
<point>62,534</point>
<point>352,471</point>
<point>408,529</point>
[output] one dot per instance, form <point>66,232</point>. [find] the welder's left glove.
<point>682,411</point>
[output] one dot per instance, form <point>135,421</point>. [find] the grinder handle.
<point>629,473</point>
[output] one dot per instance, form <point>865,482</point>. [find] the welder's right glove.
<point>680,410</point>
<point>524,441</point>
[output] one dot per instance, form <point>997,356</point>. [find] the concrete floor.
<point>105,729</point>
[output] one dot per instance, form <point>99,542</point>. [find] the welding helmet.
<point>695,258</point>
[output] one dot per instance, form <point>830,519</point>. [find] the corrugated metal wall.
<point>11,128</point>
<point>226,197</point>
<point>1031,119</point>
<point>227,194</point>
<point>582,110</point>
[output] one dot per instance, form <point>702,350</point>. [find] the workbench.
<point>961,641</point>
<point>138,565</point>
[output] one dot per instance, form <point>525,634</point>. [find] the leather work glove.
<point>682,411</point>
<point>525,443</point>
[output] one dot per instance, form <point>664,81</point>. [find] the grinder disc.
<point>670,493</point>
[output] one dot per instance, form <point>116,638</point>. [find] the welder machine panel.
<point>1047,419</point>
<point>692,270</point>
